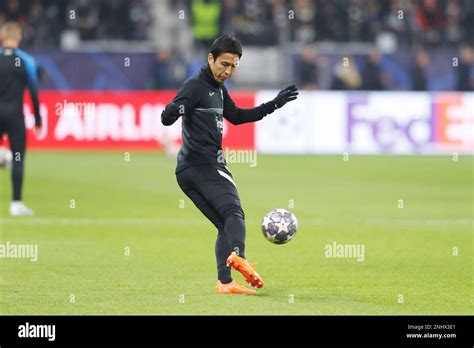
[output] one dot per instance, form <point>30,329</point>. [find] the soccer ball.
<point>279,226</point>
<point>6,157</point>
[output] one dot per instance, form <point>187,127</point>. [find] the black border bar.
<point>209,330</point>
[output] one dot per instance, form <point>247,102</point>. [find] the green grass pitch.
<point>129,246</point>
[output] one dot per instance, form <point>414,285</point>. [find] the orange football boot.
<point>243,266</point>
<point>233,288</point>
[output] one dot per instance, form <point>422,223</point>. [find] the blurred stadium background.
<point>379,77</point>
<point>352,45</point>
<point>395,44</point>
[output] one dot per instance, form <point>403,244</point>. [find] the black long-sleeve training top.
<point>17,71</point>
<point>203,103</point>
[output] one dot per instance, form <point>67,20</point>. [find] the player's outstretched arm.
<point>236,115</point>
<point>186,99</point>
<point>170,114</point>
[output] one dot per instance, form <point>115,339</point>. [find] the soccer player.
<point>17,71</point>
<point>202,102</point>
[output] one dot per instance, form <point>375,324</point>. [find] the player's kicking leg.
<point>225,283</point>
<point>199,183</point>
<point>223,195</point>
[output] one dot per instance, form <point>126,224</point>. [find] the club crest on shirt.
<point>220,124</point>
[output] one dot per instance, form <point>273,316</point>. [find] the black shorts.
<point>212,190</point>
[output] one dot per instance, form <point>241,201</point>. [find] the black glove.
<point>170,114</point>
<point>286,95</point>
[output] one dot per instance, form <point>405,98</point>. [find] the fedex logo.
<point>454,121</point>
<point>390,123</point>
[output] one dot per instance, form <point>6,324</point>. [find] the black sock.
<point>17,178</point>
<point>235,232</point>
<point>223,251</point>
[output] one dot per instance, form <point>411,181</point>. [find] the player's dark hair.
<point>226,44</point>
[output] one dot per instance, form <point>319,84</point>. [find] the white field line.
<point>199,221</point>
